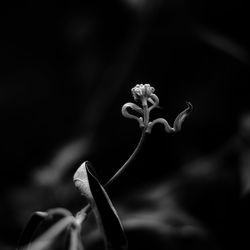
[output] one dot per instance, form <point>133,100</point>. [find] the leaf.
<point>50,236</point>
<point>26,237</point>
<point>43,227</point>
<point>103,208</point>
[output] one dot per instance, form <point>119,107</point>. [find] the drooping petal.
<point>135,108</point>
<point>177,123</point>
<point>182,116</point>
<point>167,127</point>
<point>154,100</point>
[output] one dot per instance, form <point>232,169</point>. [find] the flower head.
<point>145,94</point>
<point>142,92</point>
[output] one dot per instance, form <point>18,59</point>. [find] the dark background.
<point>65,74</point>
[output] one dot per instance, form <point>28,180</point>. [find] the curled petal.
<point>134,107</point>
<point>154,100</point>
<point>177,123</point>
<point>182,116</point>
<point>142,91</point>
<point>168,128</point>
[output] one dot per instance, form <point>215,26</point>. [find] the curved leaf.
<point>34,233</point>
<point>45,240</point>
<point>103,208</point>
<point>26,237</point>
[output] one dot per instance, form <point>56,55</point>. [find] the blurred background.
<point>64,76</point>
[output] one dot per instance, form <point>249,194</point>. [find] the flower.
<point>142,92</point>
<point>145,93</point>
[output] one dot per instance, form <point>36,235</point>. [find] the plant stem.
<point>137,149</point>
<point>132,156</point>
<point>87,208</point>
<point>85,211</point>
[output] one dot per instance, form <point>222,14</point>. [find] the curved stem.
<point>132,156</point>
<point>87,209</point>
<point>137,149</point>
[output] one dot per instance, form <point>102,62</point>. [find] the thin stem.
<point>73,239</point>
<point>132,156</point>
<point>87,209</point>
<point>146,115</point>
<point>137,149</point>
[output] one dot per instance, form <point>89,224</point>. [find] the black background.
<point>65,73</point>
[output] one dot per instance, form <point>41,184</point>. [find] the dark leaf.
<point>27,235</point>
<point>104,210</point>
<point>43,228</point>
<point>54,237</point>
